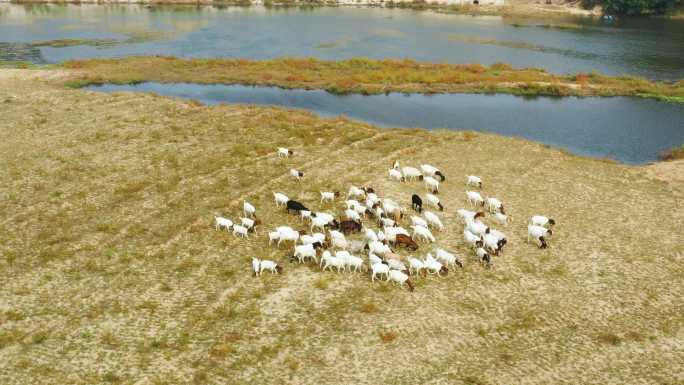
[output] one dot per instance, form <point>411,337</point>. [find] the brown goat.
<point>406,241</point>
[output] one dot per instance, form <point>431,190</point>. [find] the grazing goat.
<point>352,214</point>
<point>249,223</point>
<point>302,252</point>
<point>477,228</point>
<point>467,215</point>
<point>379,269</point>
<point>433,220</point>
<point>503,219</point>
<point>432,171</point>
<point>416,265</point>
<point>474,198</point>
<point>248,209</point>
<point>337,239</point>
<point>373,259</point>
<point>239,230</point>
<point>434,201</point>
<point>447,258</point>
<point>418,221</point>
<point>329,196</point>
<point>420,232</point>
<point>296,174</point>
<point>538,232</point>
<point>472,180</point>
<point>273,236</point>
<point>431,184</point>
<point>405,241</point>
<point>472,239</point>
<point>269,265</point>
<point>416,203</point>
<point>355,192</point>
<point>399,277</point>
<point>327,260</point>
<point>485,258</point>
<point>295,207</point>
<point>255,266</point>
<point>396,175</point>
<point>411,173</point>
<point>284,152</point>
<point>495,205</point>
<point>392,232</point>
<point>280,198</point>
<point>288,236</point>
<point>351,226</point>
<point>223,222</point>
<point>434,267</point>
<point>541,220</point>
<point>378,248</point>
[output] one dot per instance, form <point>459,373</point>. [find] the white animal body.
<point>433,220</point>
<point>222,222</point>
<point>280,198</point>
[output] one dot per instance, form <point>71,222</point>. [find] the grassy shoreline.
<point>108,250</point>
<point>365,76</point>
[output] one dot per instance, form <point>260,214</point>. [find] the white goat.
<point>422,232</point>
<point>433,220</point>
<point>223,222</point>
<point>355,192</point>
<point>432,200</point>
<point>447,258</point>
<point>477,228</point>
<point>416,265</point>
<point>411,173</point>
<point>318,223</point>
<point>248,223</point>
<point>400,278</point>
<point>378,248</point>
<point>248,209</point>
<point>474,198</point>
<point>418,221</point>
<point>433,266</point>
<point>471,239</point>
<point>284,152</point>
<point>280,198</point>
<point>494,205</point>
<point>370,235</point>
<point>379,269</point>
<point>467,215</point>
<point>538,232</point>
<point>502,218</point>
<point>431,184</point>
<point>305,251</point>
<point>352,214</point>
<point>269,265</point>
<point>286,236</point>
<point>396,175</point>
<point>296,174</point>
<point>239,230</point>
<point>472,180</point>
<point>273,236</point>
<point>541,220</point>
<point>328,196</point>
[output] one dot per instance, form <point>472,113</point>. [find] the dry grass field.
<point>112,271</point>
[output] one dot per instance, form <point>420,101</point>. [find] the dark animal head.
<point>502,210</point>
<point>487,260</point>
<point>479,184</point>
<point>439,204</point>
<point>552,222</point>
<point>290,152</point>
<point>291,259</point>
<point>479,214</point>
<point>420,177</point>
<point>279,269</point>
<point>301,174</point>
<point>440,175</point>
<point>335,224</point>
<point>402,179</point>
<point>543,245</point>
<point>479,243</point>
<point>501,243</point>
<point>487,230</point>
<point>301,232</point>
<point>337,194</point>
<point>444,270</point>
<point>317,245</point>
<point>410,285</point>
<point>550,231</point>
<point>458,263</point>
<point>368,190</point>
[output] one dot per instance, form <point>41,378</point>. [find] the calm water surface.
<point>650,48</point>
<point>630,130</point>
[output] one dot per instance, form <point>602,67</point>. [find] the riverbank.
<point>109,250</point>
<point>366,76</point>
<point>490,8</point>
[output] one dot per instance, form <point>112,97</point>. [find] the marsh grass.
<point>108,250</point>
<point>367,76</point>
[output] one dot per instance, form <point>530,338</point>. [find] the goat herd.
<point>364,207</point>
